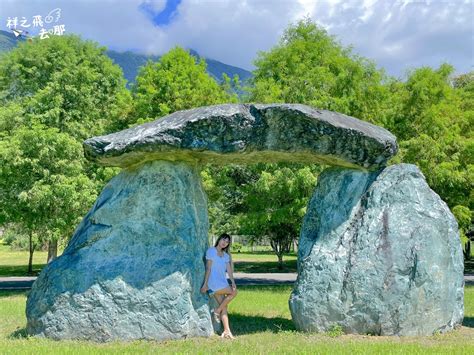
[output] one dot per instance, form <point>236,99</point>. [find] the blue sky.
<point>396,34</point>
<point>164,16</point>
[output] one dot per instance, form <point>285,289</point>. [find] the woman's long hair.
<point>224,236</point>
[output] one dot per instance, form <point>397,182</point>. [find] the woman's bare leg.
<point>226,295</point>
<point>225,320</point>
<point>230,295</point>
<point>219,299</point>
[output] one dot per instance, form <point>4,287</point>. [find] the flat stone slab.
<point>248,133</point>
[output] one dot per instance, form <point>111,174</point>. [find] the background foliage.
<point>57,92</point>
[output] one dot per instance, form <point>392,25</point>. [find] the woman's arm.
<point>230,272</point>
<point>204,287</point>
<point>231,262</point>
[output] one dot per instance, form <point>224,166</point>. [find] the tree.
<point>276,204</point>
<point>178,81</point>
<point>431,113</point>
<point>308,66</point>
<point>218,187</point>
<point>55,93</point>
<point>434,124</point>
<point>42,184</point>
<point>67,83</point>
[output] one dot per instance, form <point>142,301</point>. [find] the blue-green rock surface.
<point>247,134</point>
<point>379,253</point>
<point>134,267</point>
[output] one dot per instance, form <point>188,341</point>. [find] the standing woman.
<point>215,281</point>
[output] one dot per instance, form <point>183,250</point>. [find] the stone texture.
<point>134,267</point>
<point>379,253</point>
<point>236,133</point>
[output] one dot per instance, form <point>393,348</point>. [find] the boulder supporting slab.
<point>380,254</point>
<point>134,267</point>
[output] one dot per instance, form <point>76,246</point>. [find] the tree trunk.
<point>295,245</point>
<point>52,250</point>
<point>32,250</point>
<point>278,250</point>
<point>280,261</point>
<point>467,251</point>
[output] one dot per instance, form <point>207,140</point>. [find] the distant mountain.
<point>216,68</point>
<point>8,41</point>
<point>130,62</point>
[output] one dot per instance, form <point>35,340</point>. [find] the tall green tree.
<point>430,112</point>
<point>42,183</point>
<point>67,83</point>
<point>434,123</point>
<point>54,93</point>
<point>276,204</point>
<point>178,81</point>
<point>309,66</point>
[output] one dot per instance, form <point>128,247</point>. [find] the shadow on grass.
<point>264,266</point>
<point>468,322</point>
<point>20,270</point>
<point>8,293</point>
<point>246,324</point>
<point>20,333</point>
<point>469,266</point>
<point>262,252</point>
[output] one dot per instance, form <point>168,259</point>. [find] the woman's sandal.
<point>227,335</point>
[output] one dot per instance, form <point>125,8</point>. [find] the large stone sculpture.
<point>379,253</point>
<point>134,267</point>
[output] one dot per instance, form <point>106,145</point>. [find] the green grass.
<point>261,320</point>
<point>469,266</point>
<point>263,261</point>
<point>15,263</point>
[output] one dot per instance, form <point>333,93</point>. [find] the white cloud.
<point>396,34</point>
<point>399,35</point>
<point>115,24</point>
<point>155,5</point>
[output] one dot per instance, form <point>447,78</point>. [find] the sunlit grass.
<point>261,320</point>
<point>263,262</point>
<point>15,262</point>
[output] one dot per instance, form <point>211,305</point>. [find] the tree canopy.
<point>54,93</point>
<point>309,66</point>
<point>178,81</point>
<point>67,83</point>
<point>431,112</point>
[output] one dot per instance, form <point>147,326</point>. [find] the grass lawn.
<point>469,266</point>
<point>15,263</point>
<point>261,321</point>
<point>262,261</point>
